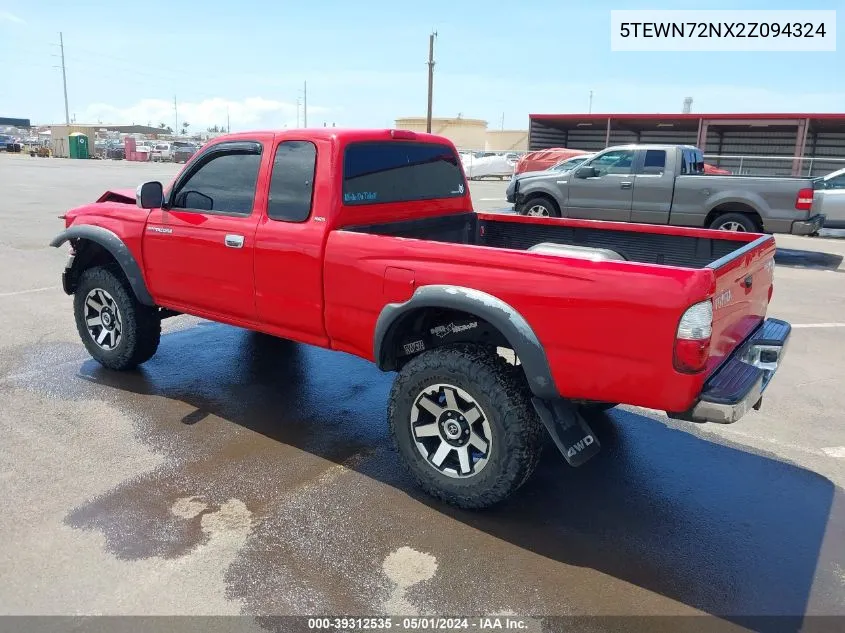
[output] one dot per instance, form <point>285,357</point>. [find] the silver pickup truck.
<point>666,184</point>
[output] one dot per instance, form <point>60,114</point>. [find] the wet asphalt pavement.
<point>237,473</point>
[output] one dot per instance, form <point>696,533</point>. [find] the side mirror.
<point>586,172</point>
<point>150,195</point>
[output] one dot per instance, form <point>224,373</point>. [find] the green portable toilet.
<point>77,145</point>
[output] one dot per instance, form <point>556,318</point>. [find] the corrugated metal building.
<point>744,143</point>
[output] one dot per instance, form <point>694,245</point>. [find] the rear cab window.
<point>380,172</point>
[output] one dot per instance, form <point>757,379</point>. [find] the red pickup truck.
<point>501,328</point>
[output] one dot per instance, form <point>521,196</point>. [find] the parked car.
<point>831,191</point>
<point>489,165</point>
<point>541,160</point>
<point>182,153</point>
<point>567,164</point>
<point>161,152</point>
<point>665,184</point>
<point>715,171</point>
<point>365,241</point>
<point>9,144</point>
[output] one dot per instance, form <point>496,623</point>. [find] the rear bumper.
<point>809,226</point>
<point>738,385</point>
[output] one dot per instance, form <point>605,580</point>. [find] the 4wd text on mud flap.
<point>580,446</point>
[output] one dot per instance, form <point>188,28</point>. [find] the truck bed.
<point>654,246</point>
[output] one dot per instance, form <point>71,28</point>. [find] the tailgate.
<point>743,290</point>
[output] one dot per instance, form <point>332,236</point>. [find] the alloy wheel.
<point>732,226</point>
<point>538,210</point>
<point>451,431</point>
<point>103,319</point>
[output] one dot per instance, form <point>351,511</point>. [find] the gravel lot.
<point>238,474</point>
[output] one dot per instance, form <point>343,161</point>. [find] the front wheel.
<point>540,207</point>
<point>117,330</point>
<point>463,423</point>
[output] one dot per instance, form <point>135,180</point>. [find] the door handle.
<point>626,185</point>
<point>234,241</point>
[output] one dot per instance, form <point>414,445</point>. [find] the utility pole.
<point>176,116</point>
<point>228,124</point>
<point>590,110</point>
<point>430,79</point>
<point>64,77</point>
<point>304,104</point>
<point>503,122</point>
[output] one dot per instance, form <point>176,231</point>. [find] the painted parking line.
<point>26,292</point>
<point>817,325</point>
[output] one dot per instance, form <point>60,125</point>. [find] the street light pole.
<point>430,79</point>
<point>64,77</point>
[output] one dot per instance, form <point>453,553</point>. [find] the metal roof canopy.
<point>686,122</point>
<point>809,132</point>
<point>14,122</point>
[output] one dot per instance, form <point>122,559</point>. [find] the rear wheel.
<point>117,330</point>
<point>540,207</point>
<point>735,222</point>
<point>464,425</point>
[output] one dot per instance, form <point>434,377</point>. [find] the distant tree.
<point>163,126</point>
<point>168,129</point>
<point>214,129</point>
<point>185,126</point>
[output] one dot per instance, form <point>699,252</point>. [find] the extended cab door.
<point>290,240</point>
<point>654,185</point>
<point>609,194</point>
<point>199,249</point>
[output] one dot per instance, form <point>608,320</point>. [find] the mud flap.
<point>568,429</point>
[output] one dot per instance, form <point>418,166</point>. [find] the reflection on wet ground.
<point>297,435</point>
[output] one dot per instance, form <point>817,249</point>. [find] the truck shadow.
<point>712,526</point>
<point>795,258</point>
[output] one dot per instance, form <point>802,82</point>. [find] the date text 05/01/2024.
<point>491,623</point>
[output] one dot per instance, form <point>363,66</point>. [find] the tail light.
<point>692,340</point>
<point>804,201</point>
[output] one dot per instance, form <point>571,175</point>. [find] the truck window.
<point>399,171</point>
<point>615,162</point>
<point>225,184</point>
<point>292,181</point>
<point>655,161</point>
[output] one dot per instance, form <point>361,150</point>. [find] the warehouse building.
<point>469,134</point>
<point>757,144</point>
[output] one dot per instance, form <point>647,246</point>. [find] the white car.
<point>489,165</point>
<point>161,152</point>
<point>831,190</point>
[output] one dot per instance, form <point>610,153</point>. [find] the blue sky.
<point>365,62</point>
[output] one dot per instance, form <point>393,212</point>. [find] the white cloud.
<point>251,113</point>
<point>10,17</point>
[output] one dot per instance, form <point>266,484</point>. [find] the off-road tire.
<point>504,396</point>
<point>141,325</point>
<point>554,212</point>
<point>749,224</point>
